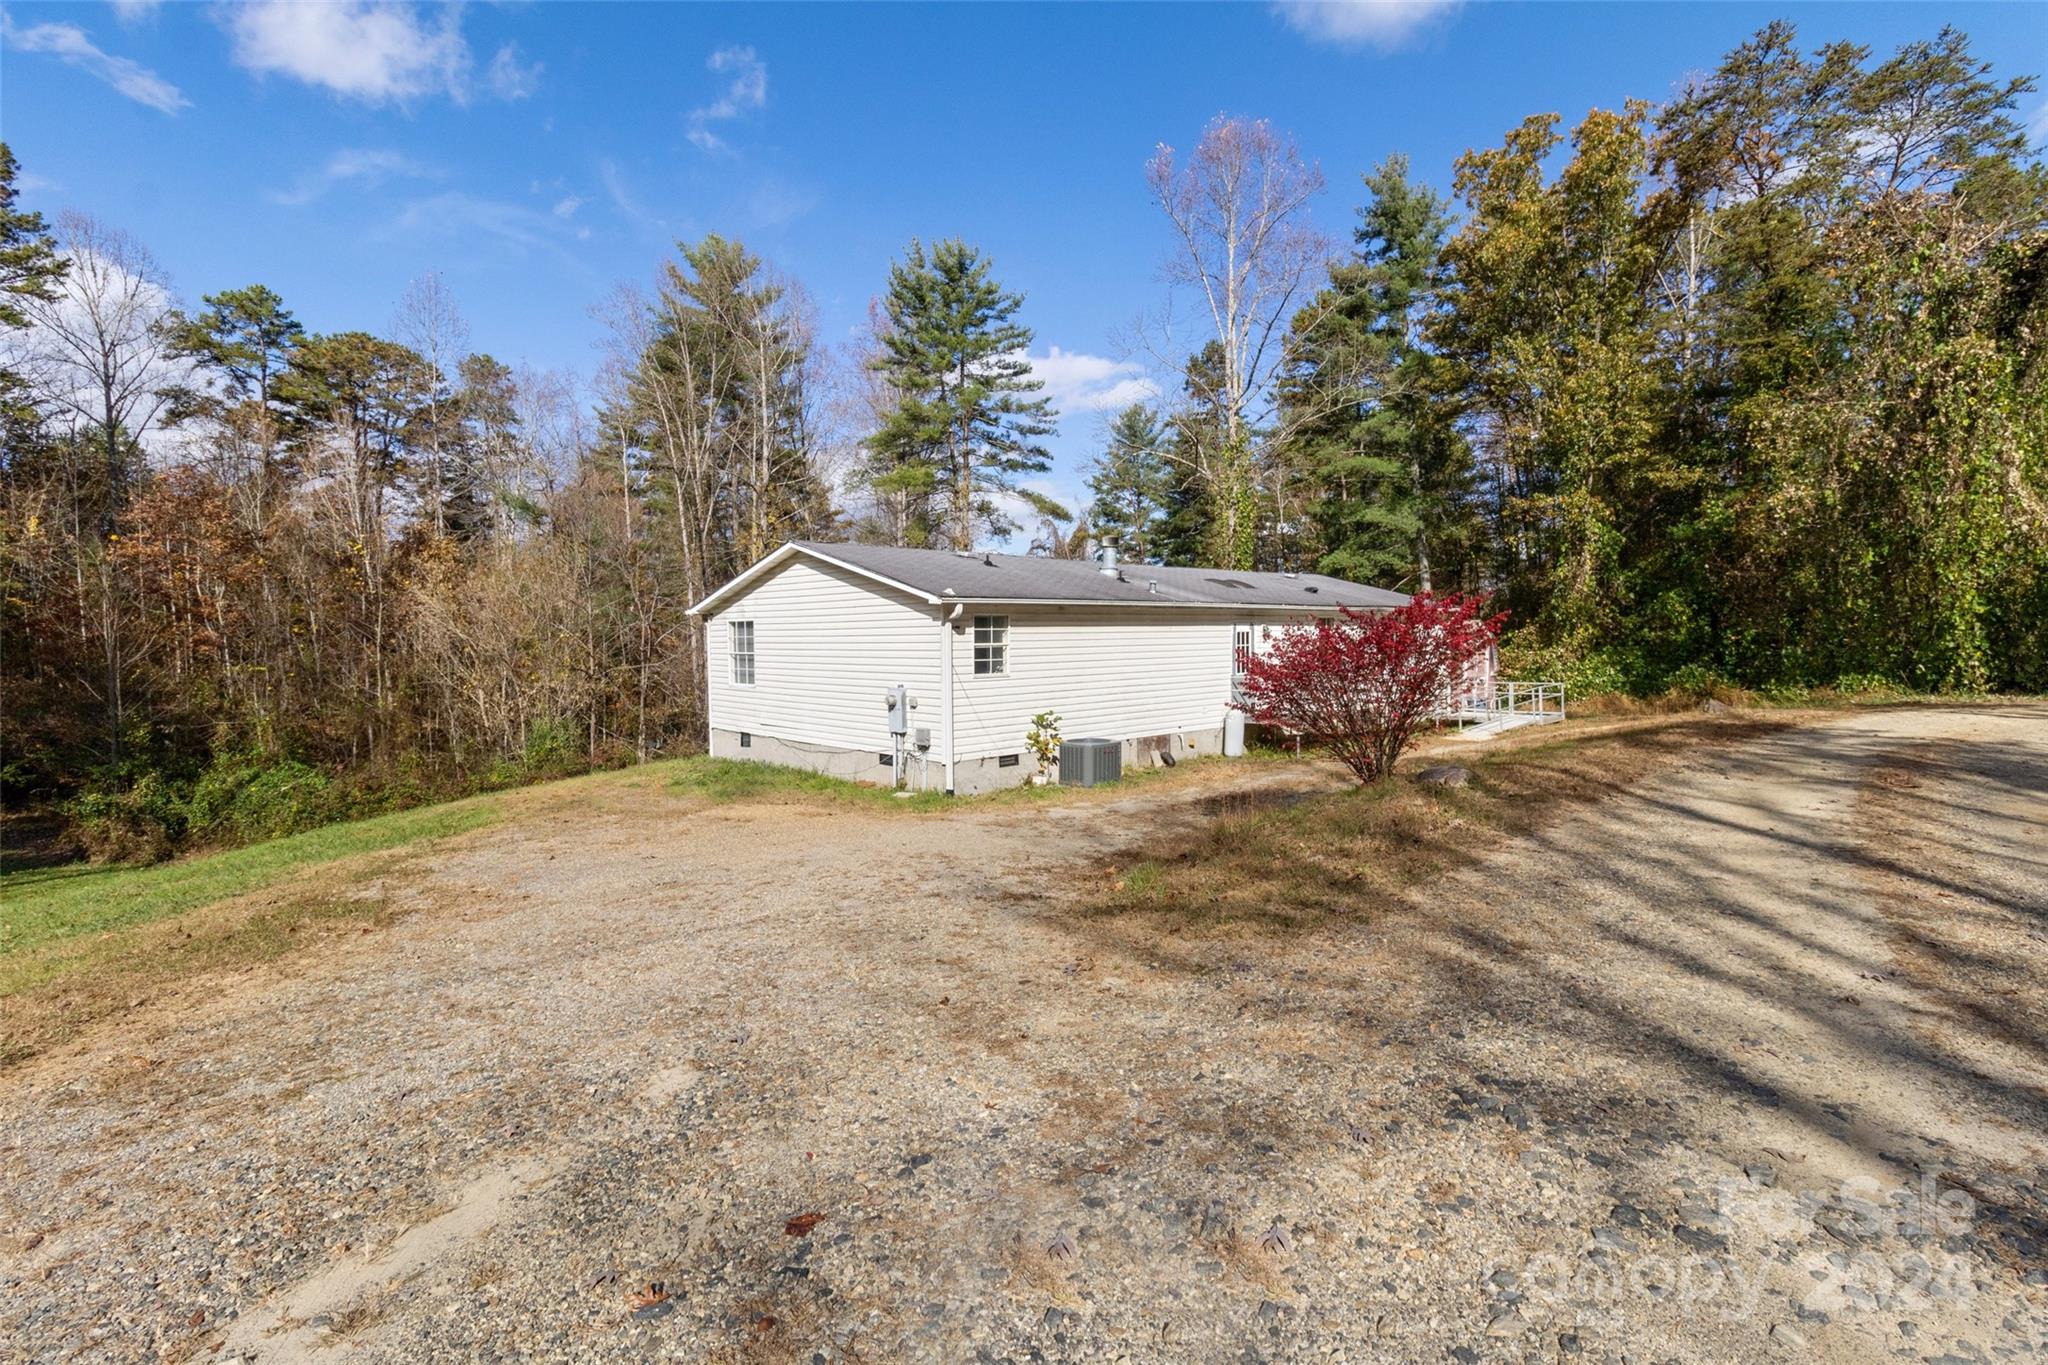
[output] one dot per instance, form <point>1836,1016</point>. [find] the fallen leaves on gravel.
<point>652,1293</point>
<point>801,1225</point>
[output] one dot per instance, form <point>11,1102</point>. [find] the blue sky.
<point>539,154</point>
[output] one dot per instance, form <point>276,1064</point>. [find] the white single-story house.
<point>808,648</point>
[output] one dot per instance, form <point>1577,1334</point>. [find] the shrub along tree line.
<point>1749,384</point>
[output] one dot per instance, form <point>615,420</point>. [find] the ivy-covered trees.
<point>1749,383</point>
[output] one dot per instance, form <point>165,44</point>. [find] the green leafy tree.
<point>967,420</point>
<point>1547,336</point>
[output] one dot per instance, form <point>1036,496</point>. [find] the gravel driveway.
<point>1745,1062</point>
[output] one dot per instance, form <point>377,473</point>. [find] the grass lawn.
<point>45,905</point>
<point>82,943</point>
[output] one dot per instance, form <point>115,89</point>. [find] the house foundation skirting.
<point>971,776</point>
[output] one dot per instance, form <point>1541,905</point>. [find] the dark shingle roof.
<point>982,577</point>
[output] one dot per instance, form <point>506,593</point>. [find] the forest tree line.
<point>1748,385</point>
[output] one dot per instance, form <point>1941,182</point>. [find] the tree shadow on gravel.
<point>1707,960</point>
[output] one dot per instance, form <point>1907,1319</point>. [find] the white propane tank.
<point>1233,733</point>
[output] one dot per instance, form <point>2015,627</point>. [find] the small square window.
<point>746,740</point>
<point>991,643</point>
<point>743,652</point>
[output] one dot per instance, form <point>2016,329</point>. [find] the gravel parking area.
<point>1749,1061</point>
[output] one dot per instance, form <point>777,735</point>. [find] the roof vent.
<point>1151,585</point>
<point>1289,573</point>
<point>1107,558</point>
<point>1310,587</point>
<point>989,560</point>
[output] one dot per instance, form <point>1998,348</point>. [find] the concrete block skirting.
<point>971,776</point>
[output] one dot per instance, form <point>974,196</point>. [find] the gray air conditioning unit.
<point>1090,762</point>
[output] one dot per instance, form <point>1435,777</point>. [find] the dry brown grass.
<point>107,975</point>
<point>1353,852</point>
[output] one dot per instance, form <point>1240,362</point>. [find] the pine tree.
<point>242,344</point>
<point>1370,429</point>
<point>476,484</point>
<point>1130,483</point>
<point>967,421</point>
<point>30,268</point>
<point>1186,533</point>
<point>29,264</point>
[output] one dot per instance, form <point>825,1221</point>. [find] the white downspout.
<point>946,684</point>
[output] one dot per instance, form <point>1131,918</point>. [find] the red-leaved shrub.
<point>1365,683</point>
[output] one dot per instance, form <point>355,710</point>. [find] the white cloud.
<point>466,217</point>
<point>2037,126</point>
<point>511,79</point>
<point>69,44</point>
<point>623,197</point>
<point>1077,382</point>
<point>134,11</point>
<point>775,201</point>
<point>373,52</point>
<point>746,90</point>
<point>1381,24</point>
<point>367,167</point>
<point>566,206</point>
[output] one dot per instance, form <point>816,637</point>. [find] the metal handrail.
<point>1542,701</point>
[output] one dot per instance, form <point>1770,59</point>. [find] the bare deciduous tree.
<point>1245,249</point>
<point>429,322</point>
<point>95,350</point>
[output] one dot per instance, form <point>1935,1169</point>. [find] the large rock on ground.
<point>1445,775</point>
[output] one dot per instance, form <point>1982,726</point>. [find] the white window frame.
<point>738,654</point>
<point>994,650</point>
<point>1242,644</point>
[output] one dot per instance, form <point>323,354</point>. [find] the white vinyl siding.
<point>1110,673</point>
<point>827,645</point>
